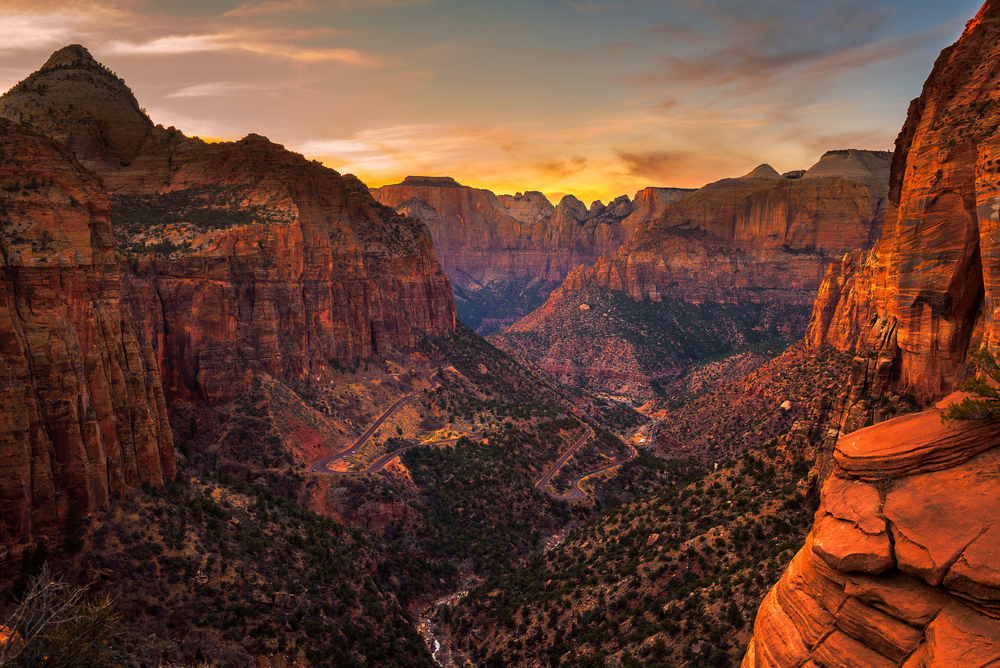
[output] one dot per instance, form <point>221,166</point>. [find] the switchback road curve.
<point>323,465</point>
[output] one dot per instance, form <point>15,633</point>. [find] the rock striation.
<point>509,247</point>
<point>242,255</point>
<point>900,566</point>
<point>142,267</point>
<point>83,414</point>
<point>928,288</point>
<point>758,245</point>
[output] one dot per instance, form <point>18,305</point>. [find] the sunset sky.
<point>591,97</point>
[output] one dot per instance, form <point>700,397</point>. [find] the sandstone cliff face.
<point>241,254</point>
<point>505,254</point>
<point>900,566</point>
<point>755,238</point>
<point>914,299</point>
<point>735,263</point>
<point>83,409</point>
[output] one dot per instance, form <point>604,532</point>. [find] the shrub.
<point>56,626</point>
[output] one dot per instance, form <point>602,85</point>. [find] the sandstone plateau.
<point>144,267</point>
<point>504,254</point>
<point>756,246</point>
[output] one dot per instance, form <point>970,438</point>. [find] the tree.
<point>986,404</point>
<point>55,626</point>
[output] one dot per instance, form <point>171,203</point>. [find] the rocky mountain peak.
<point>76,100</point>
<point>764,171</point>
<point>431,181</point>
<point>74,55</point>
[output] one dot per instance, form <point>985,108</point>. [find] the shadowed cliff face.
<point>504,255</point>
<point>915,297</point>
<point>241,254</point>
<point>759,245</point>
<point>84,415</point>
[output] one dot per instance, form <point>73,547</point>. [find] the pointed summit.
<point>74,55</point>
<point>78,101</point>
<point>764,171</point>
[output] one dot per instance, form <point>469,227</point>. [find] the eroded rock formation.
<point>914,298</point>
<point>900,566</point>
<point>757,246</point>
<point>514,249</point>
<point>83,412</point>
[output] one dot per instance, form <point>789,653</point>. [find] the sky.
<point>596,98</point>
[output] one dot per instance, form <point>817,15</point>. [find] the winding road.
<point>323,465</point>
<point>576,492</point>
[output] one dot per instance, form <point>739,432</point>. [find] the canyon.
<point>505,254</point>
<point>189,330</point>
<point>736,263</point>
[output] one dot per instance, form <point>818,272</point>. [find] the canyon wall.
<point>900,566</point>
<point>735,263</point>
<point>142,267</point>
<point>240,254</point>
<point>928,289</point>
<point>83,411</point>
<point>505,254</point>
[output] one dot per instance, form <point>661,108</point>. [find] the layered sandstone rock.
<point>749,253</point>
<point>505,254</point>
<point>83,413</point>
<point>900,566</point>
<point>915,297</point>
<point>242,255</point>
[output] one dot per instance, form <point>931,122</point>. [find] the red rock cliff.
<point>915,297</point>
<point>755,238</point>
<point>480,237</point>
<point>242,254</point>
<point>83,410</point>
<point>900,568</point>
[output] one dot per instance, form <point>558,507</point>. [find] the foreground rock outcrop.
<point>505,254</point>
<point>756,247</point>
<point>928,289</point>
<point>241,254</point>
<point>83,415</point>
<point>900,566</point>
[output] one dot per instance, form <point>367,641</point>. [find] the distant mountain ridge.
<point>760,243</point>
<point>504,254</point>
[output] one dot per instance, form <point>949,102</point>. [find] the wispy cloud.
<point>213,89</point>
<point>274,7</point>
<point>271,7</point>
<point>278,43</point>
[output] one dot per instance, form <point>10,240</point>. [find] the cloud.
<point>270,7</point>
<point>562,168</point>
<point>278,43</point>
<point>763,43</point>
<point>213,89</point>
